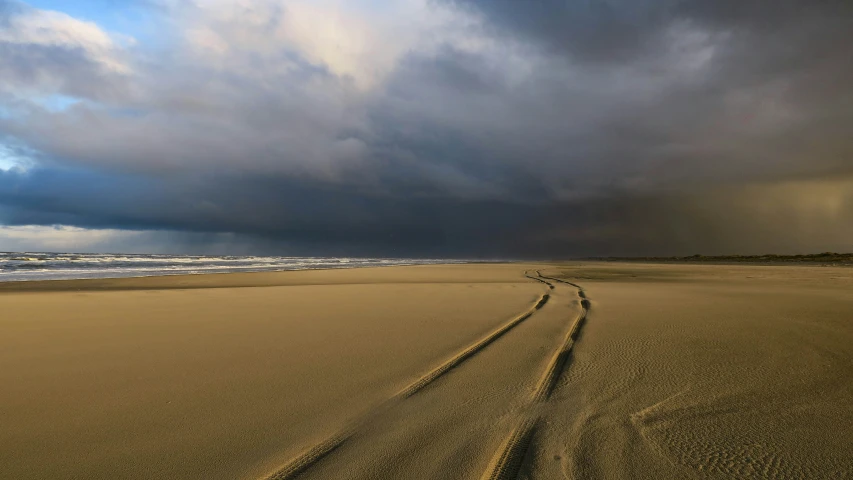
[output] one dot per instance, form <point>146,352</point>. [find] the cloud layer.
<point>466,127</point>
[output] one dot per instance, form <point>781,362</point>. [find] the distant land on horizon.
<point>812,258</point>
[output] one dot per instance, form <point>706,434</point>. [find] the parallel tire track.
<point>580,289</point>
<point>561,356</point>
<point>305,460</point>
<point>550,285</point>
<point>507,462</point>
<point>469,352</point>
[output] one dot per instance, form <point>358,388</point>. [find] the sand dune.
<point>588,370</point>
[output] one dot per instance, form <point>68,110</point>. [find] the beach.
<point>515,370</point>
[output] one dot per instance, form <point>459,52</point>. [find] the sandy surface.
<point>463,371</point>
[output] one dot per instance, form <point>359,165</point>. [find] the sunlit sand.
<point>581,370</point>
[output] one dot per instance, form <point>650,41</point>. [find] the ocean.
<point>17,266</point>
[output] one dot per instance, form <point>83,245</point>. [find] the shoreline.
<point>267,278</point>
<point>177,281</point>
<point>29,267</point>
<point>5,285</point>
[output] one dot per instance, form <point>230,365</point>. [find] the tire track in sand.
<point>311,456</point>
<point>561,356</point>
<point>509,458</point>
<point>306,459</point>
<point>460,357</point>
<point>580,289</point>
<point>507,461</point>
<point>540,280</point>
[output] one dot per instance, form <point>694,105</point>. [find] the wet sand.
<point>458,371</point>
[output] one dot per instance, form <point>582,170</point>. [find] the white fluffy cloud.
<point>46,52</point>
<point>361,39</point>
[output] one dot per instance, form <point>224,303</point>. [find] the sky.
<point>427,128</point>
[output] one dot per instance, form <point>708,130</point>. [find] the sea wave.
<point>23,266</point>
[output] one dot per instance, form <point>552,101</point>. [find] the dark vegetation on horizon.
<point>823,258</point>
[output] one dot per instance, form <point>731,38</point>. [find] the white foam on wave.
<point>24,266</point>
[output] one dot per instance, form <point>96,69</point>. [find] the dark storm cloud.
<point>612,31</point>
<point>569,128</point>
<point>282,216</point>
<point>587,29</point>
<point>265,210</point>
